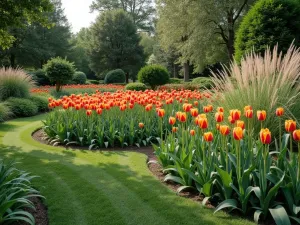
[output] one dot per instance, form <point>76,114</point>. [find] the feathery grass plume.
<point>14,83</point>
<point>264,82</point>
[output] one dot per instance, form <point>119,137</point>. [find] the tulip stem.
<point>291,143</point>
<point>298,162</point>
<point>280,134</point>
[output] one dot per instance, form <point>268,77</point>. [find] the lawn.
<point>86,187</point>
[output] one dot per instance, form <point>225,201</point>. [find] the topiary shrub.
<point>115,76</point>
<point>79,77</point>
<point>59,71</point>
<point>41,78</point>
<point>22,107</point>
<point>204,82</point>
<point>154,75</point>
<point>136,86</point>
<point>41,102</point>
<point>175,81</point>
<point>5,112</point>
<point>267,23</point>
<point>14,83</point>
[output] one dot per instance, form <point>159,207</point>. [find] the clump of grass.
<point>14,83</point>
<point>264,82</point>
<point>5,112</point>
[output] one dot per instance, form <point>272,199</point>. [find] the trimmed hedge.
<point>79,77</point>
<point>22,107</point>
<point>41,102</point>
<point>115,76</point>
<point>41,78</point>
<point>136,86</point>
<point>153,75</point>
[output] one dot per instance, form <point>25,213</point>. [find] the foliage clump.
<point>136,86</point>
<point>79,77</point>
<point>22,107</point>
<point>153,75</point>
<point>115,76</point>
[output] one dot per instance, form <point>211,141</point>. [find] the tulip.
<point>194,112</point>
<point>203,124</point>
<point>187,107</point>
<point>296,135</point>
<point>220,109</point>
<point>77,106</point>
<point>174,129</point>
<point>172,120</point>
<point>265,136</point>
<point>279,111</point>
<point>141,125</point>
<point>148,107</point>
<point>246,108</point>
<point>210,107</point>
<point>219,117</point>
<point>290,126</point>
<point>218,126</point>
<point>238,133</point>
<point>196,103</point>
<point>99,111</point>
<point>249,113</point>
<point>208,136</point>
<point>261,115</point>
<point>240,124</point>
<point>224,130</point>
<point>235,114</point>
<point>206,109</point>
<point>161,112</point>
<point>182,117</point>
<point>192,132</point>
<point>231,120</point>
<point>88,112</point>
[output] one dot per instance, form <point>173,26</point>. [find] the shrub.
<point>79,77</point>
<point>22,107</point>
<point>59,71</point>
<point>14,83</point>
<point>175,81</point>
<point>16,188</point>
<point>5,112</point>
<point>264,82</point>
<point>41,78</point>
<point>267,23</point>
<point>115,76</point>
<point>136,86</point>
<point>183,86</point>
<point>93,81</point>
<point>40,101</point>
<point>204,82</point>
<point>153,75</point>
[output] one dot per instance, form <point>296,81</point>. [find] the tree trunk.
<point>186,71</point>
<point>175,70</point>
<point>231,35</point>
<point>57,86</point>
<point>127,77</point>
<point>12,60</point>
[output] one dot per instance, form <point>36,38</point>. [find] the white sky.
<point>78,13</point>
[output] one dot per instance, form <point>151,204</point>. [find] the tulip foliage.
<point>228,163</point>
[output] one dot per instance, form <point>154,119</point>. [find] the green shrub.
<point>136,86</point>
<point>22,107</point>
<point>5,112</point>
<point>40,101</point>
<point>204,82</point>
<point>115,76</point>
<point>154,75</point>
<point>59,71</point>
<point>79,77</point>
<point>267,23</point>
<point>16,188</point>
<point>41,78</point>
<point>14,83</point>
<point>93,81</point>
<point>183,86</point>
<point>175,81</point>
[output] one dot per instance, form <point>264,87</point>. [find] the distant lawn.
<point>93,188</point>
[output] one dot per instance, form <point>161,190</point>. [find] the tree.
<point>142,11</point>
<point>147,42</point>
<point>35,44</point>
<point>59,71</point>
<point>15,13</point>
<point>268,23</point>
<point>115,44</point>
<point>201,31</point>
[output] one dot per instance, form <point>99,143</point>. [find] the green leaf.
<point>226,181</point>
<point>228,203</point>
<point>296,209</point>
<point>257,214</point>
<point>173,178</point>
<point>183,188</point>
<point>280,216</point>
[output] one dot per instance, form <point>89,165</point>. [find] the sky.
<point>78,13</point>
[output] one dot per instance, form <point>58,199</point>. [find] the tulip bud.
<point>290,126</point>
<point>265,136</point>
<point>279,111</point>
<point>261,115</point>
<point>208,136</point>
<point>238,133</point>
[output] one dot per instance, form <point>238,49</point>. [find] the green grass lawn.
<point>93,188</point>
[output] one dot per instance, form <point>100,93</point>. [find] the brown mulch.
<point>40,213</point>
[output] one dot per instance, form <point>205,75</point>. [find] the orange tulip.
<point>279,111</point>
<point>290,126</point>
<point>141,125</point>
<point>148,107</point>
<point>218,126</point>
<point>182,117</point>
<point>187,107</point>
<point>174,129</point>
<point>265,136</point>
<point>240,124</point>
<point>172,120</point>
<point>235,114</point>
<point>194,112</point>
<point>238,133</point>
<point>88,112</point>
<point>203,124</point>
<point>161,112</point>
<point>210,107</point>
<point>246,108</point>
<point>296,135</point>
<point>261,115</point>
<point>66,106</point>
<point>224,130</point>
<point>208,136</point>
<point>77,106</point>
<point>249,113</point>
<point>192,132</point>
<point>219,117</point>
<point>220,109</point>
<point>99,111</point>
<point>196,103</point>
<point>231,120</point>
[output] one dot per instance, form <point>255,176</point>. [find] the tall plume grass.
<point>264,82</point>
<point>14,83</point>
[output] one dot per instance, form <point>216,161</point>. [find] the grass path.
<point>93,188</point>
